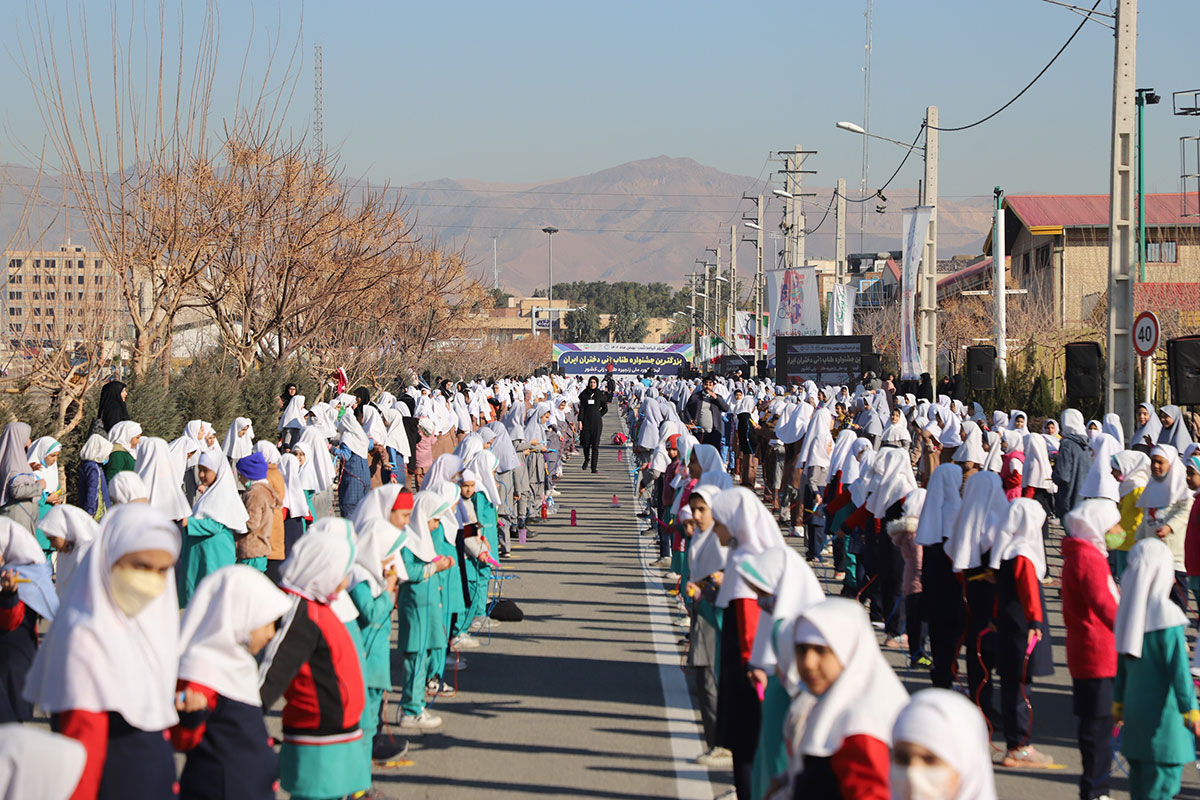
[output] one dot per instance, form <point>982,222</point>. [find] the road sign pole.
<point>1148,374</point>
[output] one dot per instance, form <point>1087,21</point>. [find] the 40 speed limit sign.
<point>1145,334</point>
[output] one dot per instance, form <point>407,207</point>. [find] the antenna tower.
<point>318,101</point>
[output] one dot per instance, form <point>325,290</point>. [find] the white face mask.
<point>134,589</point>
<point>923,782</point>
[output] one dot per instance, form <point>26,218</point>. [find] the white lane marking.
<point>683,721</point>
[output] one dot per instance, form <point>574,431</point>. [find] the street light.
<point>927,280</point>
<point>550,230</point>
<point>786,195</point>
<point>753,226</point>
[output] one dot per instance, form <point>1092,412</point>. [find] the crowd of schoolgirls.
<point>936,518</point>
<point>188,586</point>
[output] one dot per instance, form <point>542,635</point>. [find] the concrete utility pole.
<point>1119,391</point>
<point>718,309</point>
<point>928,278</point>
<point>692,315</point>
<point>839,252</point>
<point>998,283</point>
<point>731,323</point>
<point>798,249</point>
<point>495,265</point>
<point>759,283</point>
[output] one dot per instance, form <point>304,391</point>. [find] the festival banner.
<point>915,226</point>
<point>622,359</point>
<point>841,310</point>
<point>746,333</point>
<point>794,301</point>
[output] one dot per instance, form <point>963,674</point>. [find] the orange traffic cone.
<point>616,503</point>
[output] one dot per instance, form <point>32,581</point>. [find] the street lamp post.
<point>550,230</point>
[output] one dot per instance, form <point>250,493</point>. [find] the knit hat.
<point>253,466</point>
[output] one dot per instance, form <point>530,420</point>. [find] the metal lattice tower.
<point>318,124</point>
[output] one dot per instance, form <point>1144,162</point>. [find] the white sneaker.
<point>454,662</point>
<point>665,561</point>
<point>423,721</point>
<point>464,642</point>
<point>715,757</point>
<point>671,577</point>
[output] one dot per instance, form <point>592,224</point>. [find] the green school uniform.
<point>1156,692</point>
<point>121,460</point>
<point>417,607</point>
<point>454,607</point>
<point>373,624</point>
<point>770,757</point>
<point>207,546</point>
<point>486,513</point>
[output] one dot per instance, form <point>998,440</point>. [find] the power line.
<point>1028,85</point>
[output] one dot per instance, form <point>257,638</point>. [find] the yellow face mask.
<point>134,589</point>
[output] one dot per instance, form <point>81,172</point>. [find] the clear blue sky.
<point>522,91</point>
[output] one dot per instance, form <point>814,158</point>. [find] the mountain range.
<point>647,220</point>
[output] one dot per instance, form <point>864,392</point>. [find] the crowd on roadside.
<point>936,515</point>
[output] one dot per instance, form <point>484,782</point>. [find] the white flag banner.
<point>915,226</point>
<point>841,310</point>
<point>795,302</point>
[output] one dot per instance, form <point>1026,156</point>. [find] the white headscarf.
<point>428,507</point>
<point>753,529</point>
<point>1038,472</point>
<point>220,501</point>
<point>706,554</point>
<point>1100,481</point>
<point>270,452</point>
<point>1169,489</point>
<point>293,413</point>
<point>1020,534</point>
<point>942,503</point>
<point>1151,429</point>
<point>1090,520</point>
<point>38,763</point>
<point>293,490</point>
<point>236,444</point>
<point>951,727</point>
<point>377,536</point>
<point>96,448</point>
<point>1113,427</point>
<point>41,448</point>
<point>164,483</point>
<point>397,436</point>
<point>95,657</point>
<point>818,441</point>
<point>320,560</point>
<point>19,550</point>
<point>123,432</point>
<point>1134,467</point>
<point>866,697</point>
<point>227,606</point>
<point>444,468</point>
<point>1146,603</point>
<point>712,466</point>
<point>895,480</point>
<point>1072,423</point>
<point>484,464</point>
<point>126,486</point>
<point>780,573</point>
<point>995,453</point>
<point>984,506</point>
<point>353,435</point>
<point>77,527</point>
<point>317,473</point>
<point>972,445</point>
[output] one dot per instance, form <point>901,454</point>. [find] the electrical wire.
<point>879,192</point>
<point>1028,86</point>
<point>832,201</point>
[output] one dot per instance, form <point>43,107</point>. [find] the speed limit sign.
<point>1145,334</point>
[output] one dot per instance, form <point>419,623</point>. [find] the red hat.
<point>404,502</point>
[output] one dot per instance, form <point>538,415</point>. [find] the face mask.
<point>922,783</point>
<point>134,589</point>
<point>1114,540</point>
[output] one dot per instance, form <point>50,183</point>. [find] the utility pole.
<point>797,215</point>
<point>839,252</point>
<point>1119,391</point>
<point>731,322</point>
<point>495,265</point>
<point>759,283</point>
<point>692,315</point>
<point>718,310</point>
<point>318,126</point>
<point>928,277</point>
<point>998,283</point>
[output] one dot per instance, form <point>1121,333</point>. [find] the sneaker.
<point>647,531</point>
<point>463,642</point>
<point>896,642</point>
<point>922,661</point>
<point>423,721</point>
<point>839,576</point>
<point>454,662</point>
<point>387,748</point>
<point>440,689</point>
<point>671,577</point>
<point>877,625</point>
<point>1027,758</point>
<point>715,757</point>
<point>665,561</point>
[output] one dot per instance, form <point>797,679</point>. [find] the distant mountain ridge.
<point>646,220</point>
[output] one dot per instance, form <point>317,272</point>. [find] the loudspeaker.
<point>763,372</point>
<point>1085,370</point>
<point>1183,368</point>
<point>872,362</point>
<point>981,367</point>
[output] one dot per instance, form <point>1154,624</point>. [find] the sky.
<point>524,91</point>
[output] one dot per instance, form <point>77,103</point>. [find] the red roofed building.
<point>1058,250</point>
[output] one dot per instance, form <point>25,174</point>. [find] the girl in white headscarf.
<point>893,482</point>
<point>1089,605</point>
<point>217,517</point>
<point>1022,647</point>
<point>1099,481</point>
<point>1072,462</point>
<point>706,560</point>
<point>746,527</point>
<point>221,725</point>
<point>322,753</point>
<point>164,483</point>
<point>942,594</point>
<point>239,439</point>
<point>786,587</point>
<point>291,420</point>
<point>1174,432</point>
<point>124,437</point>
<point>841,728</point>
<point>1153,692</point>
<point>1131,470</point>
<point>941,750</point>
<point>1166,503</point>
<point>421,635</point>
<point>91,486</point>
<point>486,504</point>
<point>1145,435</point>
<point>106,670</point>
<point>37,763</point>
<point>26,596</point>
<point>815,460</point>
<point>70,531</point>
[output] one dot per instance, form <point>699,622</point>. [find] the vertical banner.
<point>794,301</point>
<point>841,310</point>
<point>915,226</point>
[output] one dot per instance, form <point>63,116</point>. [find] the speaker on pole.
<point>981,367</point>
<point>1183,368</point>
<point>1085,370</point>
<point>763,371</point>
